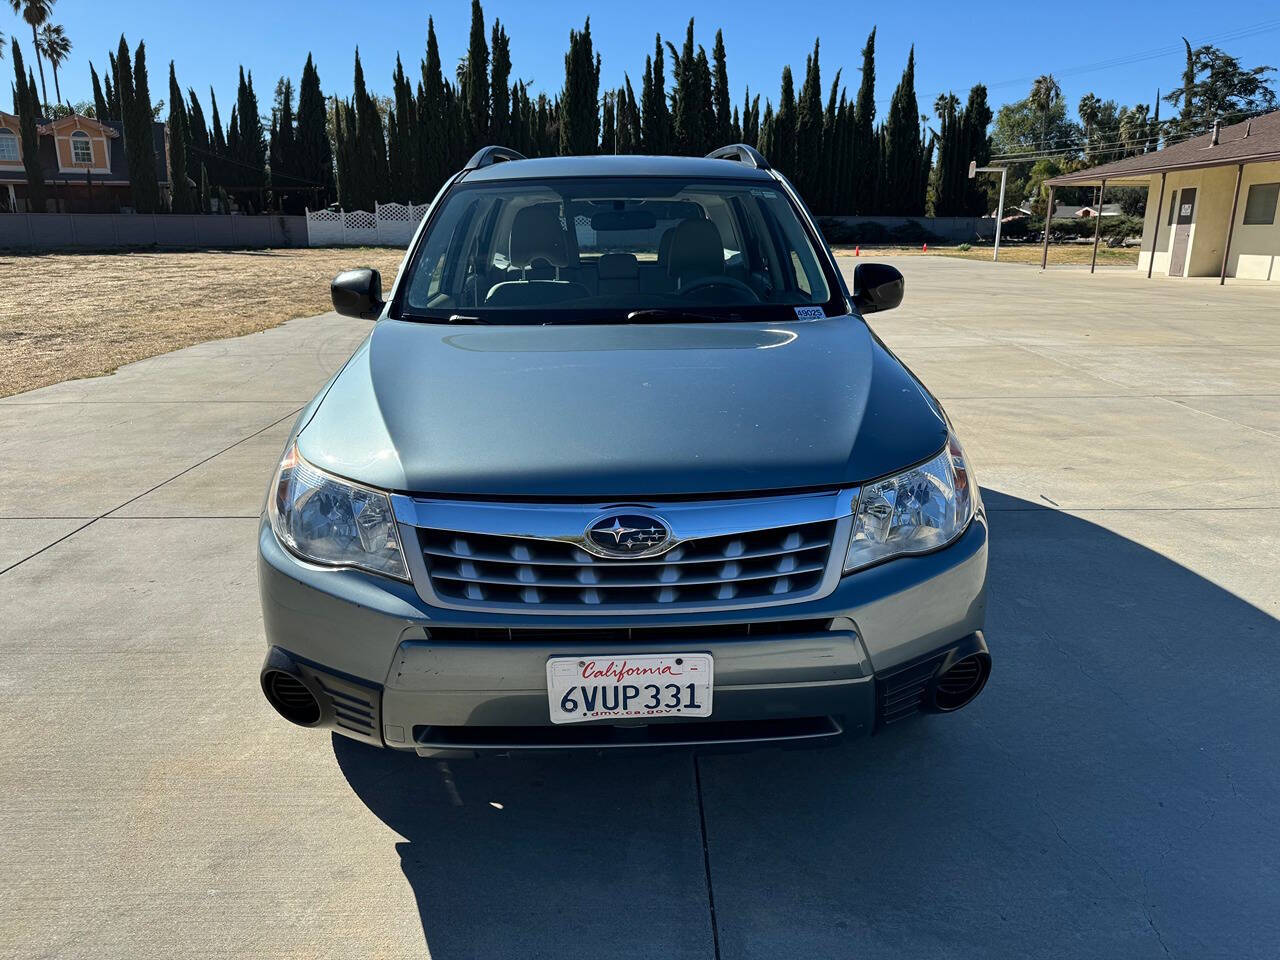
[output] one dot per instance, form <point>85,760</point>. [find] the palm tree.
<point>1090,109</point>
<point>35,13</point>
<point>56,48</point>
<point>1045,92</point>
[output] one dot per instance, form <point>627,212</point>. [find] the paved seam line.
<point>1221,419</point>
<point>200,463</point>
<point>706,858</point>
<point>152,490</point>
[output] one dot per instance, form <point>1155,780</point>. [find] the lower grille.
<point>351,710</point>
<point>628,635</point>
<point>762,565</point>
<point>901,694</point>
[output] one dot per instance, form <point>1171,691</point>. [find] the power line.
<point>1116,144</point>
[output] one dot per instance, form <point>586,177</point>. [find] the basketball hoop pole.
<point>974,170</point>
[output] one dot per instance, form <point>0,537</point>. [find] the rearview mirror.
<point>877,287</point>
<point>357,293</point>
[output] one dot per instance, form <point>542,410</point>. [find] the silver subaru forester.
<point>620,464</point>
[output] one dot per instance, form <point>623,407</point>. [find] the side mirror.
<point>877,287</point>
<point>357,293</point>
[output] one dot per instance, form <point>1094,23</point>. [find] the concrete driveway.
<point>1114,793</point>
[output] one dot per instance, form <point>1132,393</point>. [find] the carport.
<point>1220,215</point>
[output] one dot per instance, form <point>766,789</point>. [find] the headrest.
<point>664,245</point>
<point>617,266</point>
<point>696,251</point>
<point>536,234</point>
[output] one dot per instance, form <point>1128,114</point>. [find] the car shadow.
<point>1114,792</point>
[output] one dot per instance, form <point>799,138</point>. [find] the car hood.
<point>621,411</point>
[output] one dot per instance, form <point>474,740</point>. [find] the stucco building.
<point>1211,202</point>
<point>83,161</point>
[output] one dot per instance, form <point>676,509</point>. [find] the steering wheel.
<point>702,283</point>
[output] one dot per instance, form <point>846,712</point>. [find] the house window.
<point>1173,206</point>
<point>1260,207</point>
<point>8,146</point>
<point>81,150</point>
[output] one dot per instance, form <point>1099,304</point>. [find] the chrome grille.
<point>762,564</point>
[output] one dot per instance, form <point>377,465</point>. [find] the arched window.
<point>8,146</point>
<point>81,149</point>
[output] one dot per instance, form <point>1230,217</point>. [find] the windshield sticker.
<point>810,313</point>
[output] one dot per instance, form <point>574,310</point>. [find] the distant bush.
<point>964,248</point>
<point>1083,228</point>
<point>1014,229</point>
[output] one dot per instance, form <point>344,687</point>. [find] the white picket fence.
<point>390,225</point>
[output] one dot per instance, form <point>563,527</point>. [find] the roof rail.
<point>487,156</point>
<point>741,153</point>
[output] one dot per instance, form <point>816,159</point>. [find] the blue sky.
<point>1124,51</point>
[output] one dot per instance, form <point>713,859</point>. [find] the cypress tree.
<point>608,124</point>
<point>579,103</point>
<point>629,121</point>
<point>864,141</point>
<point>783,136</point>
<point>372,179</point>
<point>27,106</point>
<point>99,98</point>
<point>655,121</point>
<point>402,140</point>
<point>706,104</point>
<point>977,146</point>
<point>904,152</point>
<point>146,185</point>
<point>687,116</point>
<point>724,126</point>
<point>432,123</point>
<point>475,82</point>
<point>198,141</point>
<point>314,164</point>
<point>251,150</point>
<point>182,201</point>
<point>135,107</point>
<point>282,150</point>
<point>750,119</point>
<point>114,107</point>
<point>810,165</point>
<point>764,141</point>
<point>500,76</point>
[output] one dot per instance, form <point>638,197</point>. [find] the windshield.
<point>600,250</point>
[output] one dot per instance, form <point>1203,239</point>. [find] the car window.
<point>598,249</point>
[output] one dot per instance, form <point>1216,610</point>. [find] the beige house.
<point>1211,202</point>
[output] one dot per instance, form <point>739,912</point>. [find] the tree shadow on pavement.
<point>1115,792</point>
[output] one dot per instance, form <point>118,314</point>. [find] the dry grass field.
<point>65,316</point>
<point>1059,253</point>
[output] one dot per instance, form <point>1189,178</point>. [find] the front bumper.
<point>393,671</point>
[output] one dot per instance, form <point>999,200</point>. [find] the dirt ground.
<point>65,316</point>
<point>1059,253</point>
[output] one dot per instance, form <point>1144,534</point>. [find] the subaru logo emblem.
<point>625,535</point>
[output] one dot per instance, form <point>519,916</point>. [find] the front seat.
<point>696,251</point>
<point>539,250</point>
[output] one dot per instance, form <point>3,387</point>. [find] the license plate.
<point>629,686</point>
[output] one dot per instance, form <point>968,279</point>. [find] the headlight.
<point>915,511</point>
<point>334,522</point>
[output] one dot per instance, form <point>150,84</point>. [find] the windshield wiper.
<point>677,315</point>
<point>452,318</point>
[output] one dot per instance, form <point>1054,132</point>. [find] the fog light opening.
<point>291,698</point>
<point>961,682</point>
